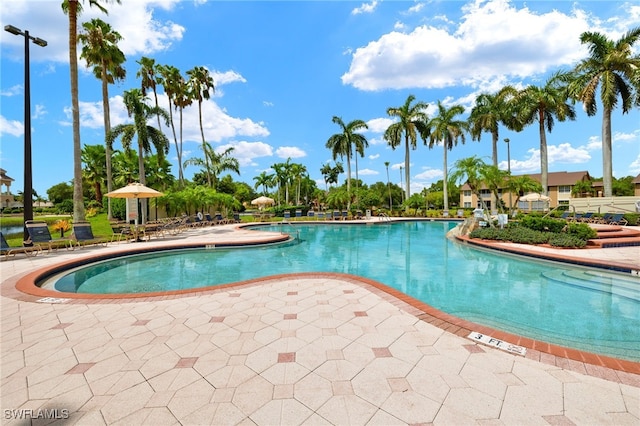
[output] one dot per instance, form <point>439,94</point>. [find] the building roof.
<point>553,178</point>
<point>4,178</point>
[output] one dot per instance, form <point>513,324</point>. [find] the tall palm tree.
<point>93,158</point>
<point>341,143</point>
<point>486,115</point>
<point>521,185</point>
<point>125,167</point>
<point>170,79</point>
<point>412,124</point>
<point>542,104</point>
<point>72,8</point>
<point>613,66</point>
<point>147,135</point>
<point>100,49</point>
<point>200,82</point>
<point>446,129</point>
<point>326,172</point>
<point>263,180</point>
<point>148,75</point>
<point>297,172</point>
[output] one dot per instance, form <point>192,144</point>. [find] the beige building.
<point>560,185</point>
<point>6,198</point>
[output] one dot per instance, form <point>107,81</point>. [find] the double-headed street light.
<point>28,184</point>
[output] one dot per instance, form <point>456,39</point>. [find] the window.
<point>466,193</point>
<point>564,189</point>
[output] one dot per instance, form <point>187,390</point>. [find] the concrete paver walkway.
<point>289,350</point>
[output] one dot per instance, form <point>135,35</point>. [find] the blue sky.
<point>282,70</point>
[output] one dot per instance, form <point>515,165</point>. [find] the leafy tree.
<point>72,8</point>
<point>265,181</point>
<point>60,192</point>
<point>100,49</point>
<point>148,74</point>
<point>521,185</point>
<point>199,84</point>
<point>446,129</point>
<point>341,143</point>
<point>613,66</point>
<point>93,157</point>
<point>542,104</point>
<point>412,124</point>
<point>172,82</point>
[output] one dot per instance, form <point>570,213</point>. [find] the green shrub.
<point>543,224</point>
<point>567,241</point>
<point>581,231</point>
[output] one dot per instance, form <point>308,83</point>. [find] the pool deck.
<point>290,349</point>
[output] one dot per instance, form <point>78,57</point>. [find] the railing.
<point>384,216</point>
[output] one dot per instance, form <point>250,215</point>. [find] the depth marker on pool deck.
<point>52,300</point>
<point>497,343</point>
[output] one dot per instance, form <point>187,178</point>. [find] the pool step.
<point>615,236</point>
<point>619,285</point>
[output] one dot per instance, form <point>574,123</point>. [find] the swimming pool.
<point>588,309</point>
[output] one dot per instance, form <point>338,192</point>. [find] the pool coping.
<point>24,289</point>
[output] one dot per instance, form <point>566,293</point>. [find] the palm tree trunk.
<point>78,201</point>
<point>494,158</point>
<point>607,174</point>
<point>107,128</point>
<point>406,166</point>
<point>204,147</point>
<point>544,166</point>
<point>348,180</point>
<point>445,189</point>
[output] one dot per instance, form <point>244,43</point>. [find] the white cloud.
<point>40,111</point>
<point>373,156</point>
<point>247,152</point>
<point>429,175</point>
<point>494,39</point>
<point>368,172</point>
<point>563,153</point>
<point>379,125</point>
<point>290,152</point>
<point>18,89</point>
<point>365,8</point>
<point>634,167</point>
<point>11,127</point>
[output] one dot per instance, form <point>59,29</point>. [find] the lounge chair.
<point>320,215</point>
<point>39,234</point>
<point>311,214</point>
<point>119,231</point>
<point>617,219</point>
<point>236,217</point>
<point>345,214</point>
<point>336,215</point>
<point>586,218</point>
<point>83,234</point>
<point>298,214</point>
<point>287,216</point>
<point>8,251</point>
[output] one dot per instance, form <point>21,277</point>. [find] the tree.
<point>521,185</point>
<point>542,104</point>
<point>297,172</point>
<point>263,180</point>
<point>93,157</point>
<point>200,82</point>
<point>72,8</point>
<point>100,49</point>
<point>468,170</point>
<point>170,80</point>
<point>446,129</point>
<point>340,143</point>
<point>613,66</point>
<point>148,75</point>
<point>412,124</point>
<point>147,135</point>
<point>215,163</point>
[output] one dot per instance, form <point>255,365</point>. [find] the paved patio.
<point>303,349</point>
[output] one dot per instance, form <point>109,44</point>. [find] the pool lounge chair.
<point>39,234</point>
<point>9,251</point>
<point>311,214</point>
<point>298,214</point>
<point>83,234</point>
<point>120,230</point>
<point>287,216</point>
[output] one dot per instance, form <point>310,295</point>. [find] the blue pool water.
<point>583,308</point>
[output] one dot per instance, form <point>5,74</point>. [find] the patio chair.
<point>39,234</point>
<point>287,216</point>
<point>586,218</point>
<point>9,251</point>
<point>236,217</point>
<point>119,231</point>
<point>320,215</point>
<point>336,215</point>
<point>345,214</point>
<point>617,219</point>
<point>83,234</point>
<point>298,214</point>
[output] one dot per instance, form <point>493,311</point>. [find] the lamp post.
<point>28,184</point>
<point>506,140</point>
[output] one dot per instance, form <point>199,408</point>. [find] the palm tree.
<point>72,8</point>
<point>215,163</point>
<point>125,167</point>
<point>100,49</point>
<point>413,123</point>
<point>494,179</point>
<point>468,170</point>
<point>446,129</point>
<point>542,104</point>
<point>200,81</point>
<point>340,143</point>
<point>93,157</point>
<point>521,185</point>
<point>263,180</point>
<point>147,135</point>
<point>158,172</point>
<point>297,172</point>
<point>149,79</point>
<point>386,164</point>
<point>182,98</point>
<point>170,80</point>
<point>326,172</point>
<point>613,66</point>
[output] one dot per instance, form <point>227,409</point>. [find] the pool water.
<point>584,308</point>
